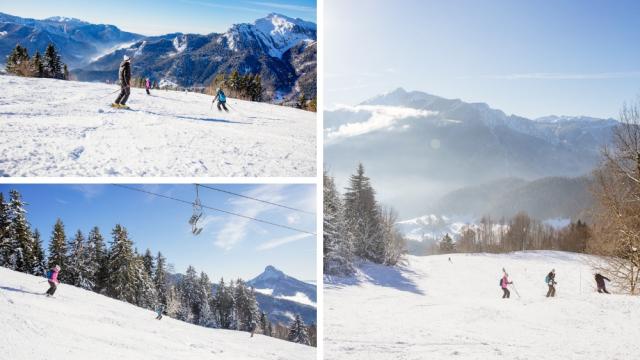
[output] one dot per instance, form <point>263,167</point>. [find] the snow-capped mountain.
<point>275,283</point>
<point>77,41</point>
<point>281,49</point>
<point>440,145</point>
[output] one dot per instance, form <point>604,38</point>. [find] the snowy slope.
<point>434,309</point>
<point>78,324</point>
<point>64,128</point>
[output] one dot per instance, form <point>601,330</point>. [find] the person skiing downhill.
<point>124,75</point>
<point>147,85</point>
<point>601,285</point>
<point>503,284</point>
<point>550,279</point>
<point>222,100</point>
<point>159,311</point>
<point>52,279</point>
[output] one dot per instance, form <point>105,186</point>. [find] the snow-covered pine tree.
<point>446,245</point>
<point>78,267</point>
<point>18,61</point>
<point>188,287</point>
<point>21,231</point>
<point>160,280</point>
<point>98,259</point>
<point>298,331</point>
<point>147,260</point>
<point>58,250</point>
<point>265,325</point>
<point>205,317</point>
<point>246,307</point>
<point>338,248</point>
<point>39,265</point>
<point>224,305</point>
<point>6,238</point>
<point>146,291</point>
<point>122,277</point>
<point>362,217</point>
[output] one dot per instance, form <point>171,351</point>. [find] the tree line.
<point>356,225</point>
<point>117,270</point>
<point>521,232</point>
<point>245,87</point>
<point>48,66</point>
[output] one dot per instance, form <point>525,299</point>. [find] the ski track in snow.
<point>433,309</point>
<point>77,324</point>
<point>66,128</point>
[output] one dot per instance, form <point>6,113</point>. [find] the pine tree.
<point>52,63</point>
<point>18,62</point>
<point>122,278</point>
<point>58,250</point>
<point>37,65</point>
<point>298,331</point>
<point>79,263</point>
<point>160,280</point>
<point>188,287</point>
<point>39,265</point>
<point>6,236</point>
<point>147,260</point>
<point>146,295</point>
<point>65,72</point>
<point>224,305</point>
<point>234,81</point>
<point>337,246</point>
<point>446,245</point>
<point>205,316</point>
<point>22,253</point>
<point>98,259</point>
<point>362,216</point>
<point>264,324</point>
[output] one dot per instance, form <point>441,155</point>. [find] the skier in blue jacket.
<point>222,100</point>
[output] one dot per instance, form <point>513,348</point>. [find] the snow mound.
<point>433,308</point>
<point>79,324</point>
<point>44,122</point>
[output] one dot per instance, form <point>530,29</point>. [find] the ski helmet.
<point>126,57</point>
<point>218,90</point>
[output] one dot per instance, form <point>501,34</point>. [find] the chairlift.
<point>197,214</point>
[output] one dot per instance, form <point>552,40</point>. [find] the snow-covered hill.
<point>79,324</point>
<point>435,309</point>
<point>64,128</point>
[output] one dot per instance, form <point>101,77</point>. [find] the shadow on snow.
<point>388,276</point>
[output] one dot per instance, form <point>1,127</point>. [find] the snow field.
<point>79,324</point>
<point>66,128</point>
<point>435,309</point>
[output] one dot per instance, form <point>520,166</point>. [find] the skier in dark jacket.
<point>551,281</point>
<point>159,311</point>
<point>52,279</point>
<point>222,100</point>
<point>600,282</point>
<point>124,75</point>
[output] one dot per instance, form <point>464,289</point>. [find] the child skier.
<point>600,282</point>
<point>159,311</point>
<point>550,279</point>
<point>222,100</point>
<point>124,75</point>
<point>503,284</point>
<point>147,85</point>
<point>52,279</point>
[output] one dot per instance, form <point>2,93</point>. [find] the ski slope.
<point>79,324</point>
<point>433,309</point>
<point>67,128</point>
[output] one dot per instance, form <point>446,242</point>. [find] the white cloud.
<point>381,117</point>
<point>293,219</point>
<point>89,191</point>
<point>281,241</point>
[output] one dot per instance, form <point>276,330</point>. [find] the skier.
<point>52,279</point>
<point>550,279</point>
<point>124,75</point>
<point>504,282</point>
<point>600,282</point>
<point>222,100</point>
<point>159,310</point>
<point>147,85</point>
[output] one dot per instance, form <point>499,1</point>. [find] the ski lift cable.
<point>260,200</point>
<point>216,209</point>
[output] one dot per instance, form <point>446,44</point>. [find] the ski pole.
<point>109,94</point>
<point>516,290</point>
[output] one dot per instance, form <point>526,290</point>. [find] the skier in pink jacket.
<point>52,278</point>
<point>147,85</point>
<point>504,283</point>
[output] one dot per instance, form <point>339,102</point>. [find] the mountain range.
<point>428,154</point>
<point>281,49</point>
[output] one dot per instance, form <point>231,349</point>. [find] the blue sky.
<point>156,17</point>
<point>532,58</point>
<point>228,246</point>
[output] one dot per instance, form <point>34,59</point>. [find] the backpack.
<point>546,279</point>
<point>221,97</point>
<point>49,273</point>
<point>500,282</point>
